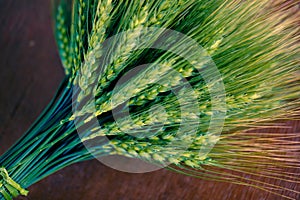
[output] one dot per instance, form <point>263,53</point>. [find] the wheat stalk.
<point>253,44</point>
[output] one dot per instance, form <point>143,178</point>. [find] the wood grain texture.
<point>30,72</point>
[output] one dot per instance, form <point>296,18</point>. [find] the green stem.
<point>47,146</point>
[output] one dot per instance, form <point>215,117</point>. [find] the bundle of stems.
<point>252,44</point>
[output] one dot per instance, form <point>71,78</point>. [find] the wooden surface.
<point>30,72</point>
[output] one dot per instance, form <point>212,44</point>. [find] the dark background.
<point>30,72</point>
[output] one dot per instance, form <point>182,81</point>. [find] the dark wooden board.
<point>30,72</point>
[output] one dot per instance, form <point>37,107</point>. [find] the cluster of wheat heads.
<point>252,44</point>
